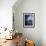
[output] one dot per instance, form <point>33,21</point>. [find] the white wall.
<point>43,22</point>
<point>6,13</point>
<point>29,6</point>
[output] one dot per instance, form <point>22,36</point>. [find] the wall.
<point>43,22</point>
<point>29,6</point>
<point>6,13</point>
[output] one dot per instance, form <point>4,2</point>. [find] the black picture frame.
<point>29,20</point>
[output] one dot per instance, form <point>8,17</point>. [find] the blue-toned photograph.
<point>28,20</point>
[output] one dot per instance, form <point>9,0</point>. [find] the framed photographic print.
<point>29,20</point>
